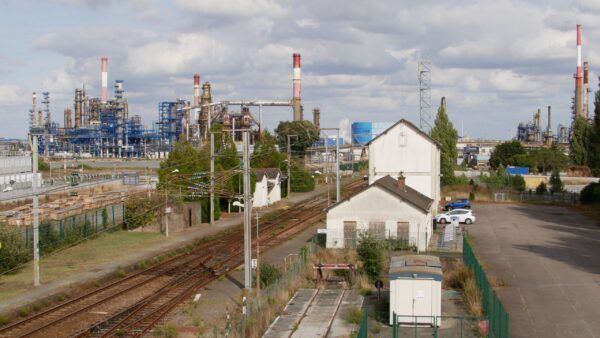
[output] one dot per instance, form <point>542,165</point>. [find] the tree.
<point>594,138</point>
<point>541,188</point>
<point>265,153</point>
<point>579,141</point>
<point>508,153</point>
<point>307,134</point>
<point>302,180</point>
<point>556,184</point>
<point>444,133</point>
<point>370,254</point>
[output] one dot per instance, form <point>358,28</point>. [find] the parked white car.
<point>464,216</point>
<point>7,189</point>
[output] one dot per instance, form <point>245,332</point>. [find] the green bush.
<point>302,180</point>
<point>14,251</point>
<point>139,212</point>
<point>590,194</point>
<point>370,254</point>
<point>471,196</point>
<point>541,189</point>
<point>269,274</point>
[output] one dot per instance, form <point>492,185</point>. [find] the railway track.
<point>131,306</point>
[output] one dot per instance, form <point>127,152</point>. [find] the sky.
<point>496,62</point>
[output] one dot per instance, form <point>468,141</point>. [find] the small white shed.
<point>415,289</point>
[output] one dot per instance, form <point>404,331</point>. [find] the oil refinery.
<point>103,127</point>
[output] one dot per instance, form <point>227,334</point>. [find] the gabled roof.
<point>271,173</point>
<point>411,126</point>
<point>390,185</point>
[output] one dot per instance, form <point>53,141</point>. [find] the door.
<point>377,229</point>
<point>349,234</point>
<point>402,230</point>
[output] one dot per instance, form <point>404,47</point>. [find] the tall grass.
<point>459,277</point>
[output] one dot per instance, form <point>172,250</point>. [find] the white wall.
<point>261,193</point>
<point>415,297</point>
<point>378,205</point>
<point>262,197</point>
<point>402,149</point>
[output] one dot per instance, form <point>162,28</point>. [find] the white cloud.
<point>233,8</point>
<point>11,94</point>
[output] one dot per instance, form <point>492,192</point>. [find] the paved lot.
<point>549,257</point>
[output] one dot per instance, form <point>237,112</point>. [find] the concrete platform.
<point>341,328</point>
<point>285,324</point>
<point>320,315</point>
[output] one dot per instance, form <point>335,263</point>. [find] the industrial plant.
<point>532,133</point>
<point>103,127</point>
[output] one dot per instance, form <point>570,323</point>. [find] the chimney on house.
<point>401,181</point>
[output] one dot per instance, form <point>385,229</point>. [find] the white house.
<point>403,148</point>
<point>268,187</point>
<point>388,208</point>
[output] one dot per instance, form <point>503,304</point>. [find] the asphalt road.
<point>549,257</point>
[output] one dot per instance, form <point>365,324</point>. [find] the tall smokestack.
<point>586,69</point>
<point>104,66</point>
<point>317,117</point>
<point>196,90</point>
<point>67,118</point>
<point>297,88</point>
<point>549,129</point>
<point>578,75</point>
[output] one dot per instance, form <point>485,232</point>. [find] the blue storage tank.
<point>517,170</point>
<point>362,132</point>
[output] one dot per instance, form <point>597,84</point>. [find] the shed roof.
<point>411,126</point>
<point>416,266</point>
<point>271,173</point>
<point>390,185</point>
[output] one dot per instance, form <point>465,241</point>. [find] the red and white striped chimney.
<point>104,66</point>
<point>297,79</point>
<point>578,76</point>
<point>196,90</point>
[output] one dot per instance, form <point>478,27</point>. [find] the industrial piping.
<point>297,79</point>
<point>104,66</point>
<point>578,75</point>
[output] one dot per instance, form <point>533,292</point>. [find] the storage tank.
<point>362,132</point>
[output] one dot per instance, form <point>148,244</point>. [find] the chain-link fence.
<point>16,244</point>
<point>439,326</point>
<point>492,306</point>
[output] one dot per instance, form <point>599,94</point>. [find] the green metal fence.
<point>363,329</point>
<point>438,326</point>
<point>492,306</point>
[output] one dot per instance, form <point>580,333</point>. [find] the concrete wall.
<point>402,149</point>
<point>378,205</point>
<point>15,164</point>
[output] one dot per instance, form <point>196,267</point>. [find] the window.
<point>377,229</point>
<point>402,139</point>
<point>349,234</point>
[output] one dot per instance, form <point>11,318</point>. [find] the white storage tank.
<point>415,289</point>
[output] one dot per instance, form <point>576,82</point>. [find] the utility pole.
<point>247,213</point>
<point>257,262</point>
<point>337,167</point>
<point>337,162</point>
<point>289,164</point>
<point>212,178</point>
<point>167,207</point>
<point>36,221</point>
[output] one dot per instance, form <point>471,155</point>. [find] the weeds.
<point>165,331</point>
<point>354,315</point>
<point>24,311</point>
<point>365,292</point>
<point>4,319</point>
<point>120,273</point>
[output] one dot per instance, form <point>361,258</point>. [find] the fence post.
<point>395,325</point>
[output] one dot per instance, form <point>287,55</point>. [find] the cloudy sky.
<point>496,61</point>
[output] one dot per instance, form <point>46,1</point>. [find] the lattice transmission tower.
<point>424,74</point>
